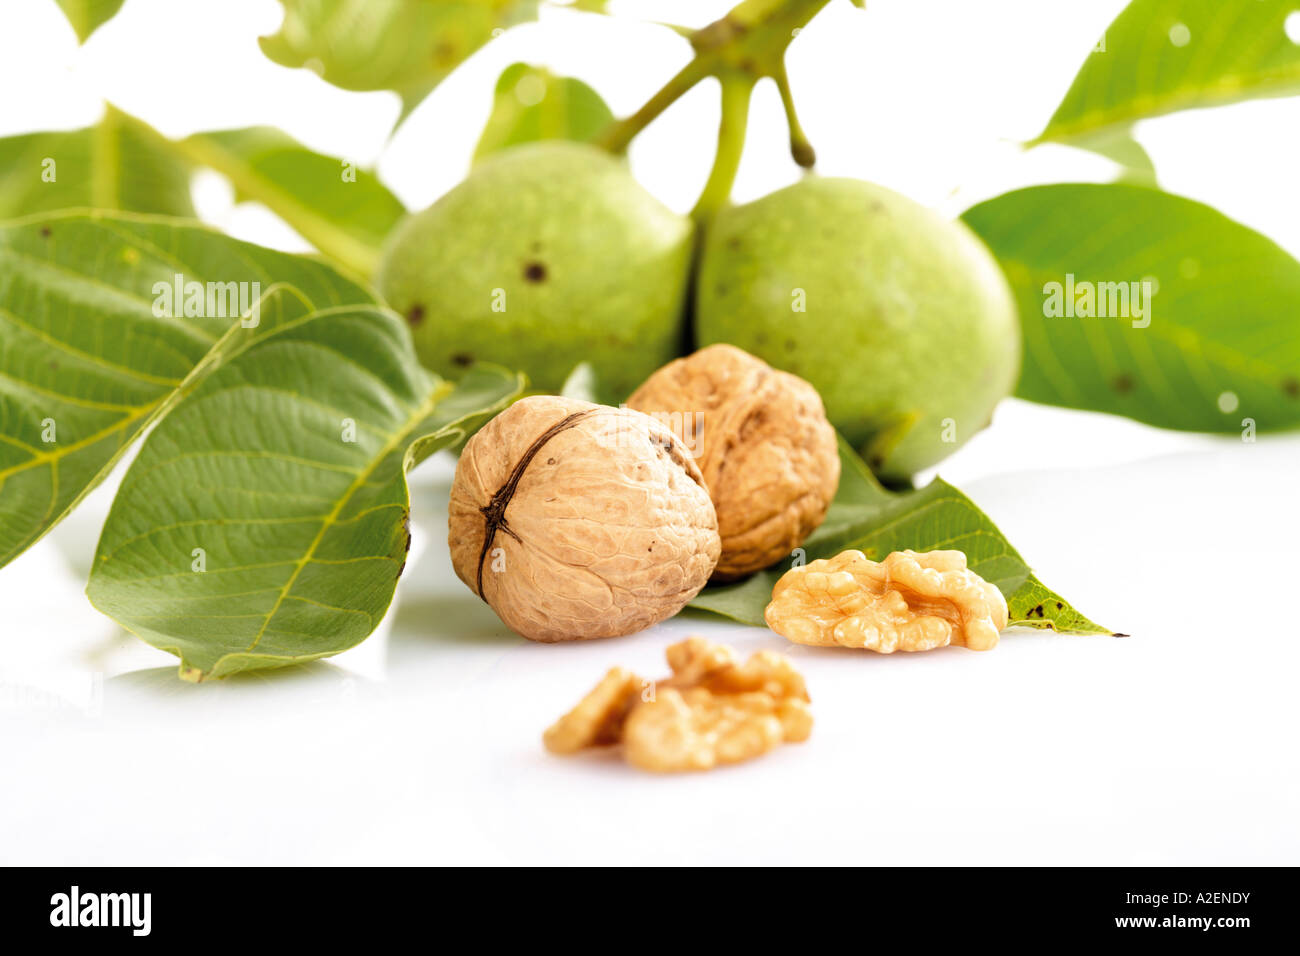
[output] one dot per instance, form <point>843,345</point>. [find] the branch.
<point>749,43</point>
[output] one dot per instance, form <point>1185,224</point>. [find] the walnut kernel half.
<point>908,602</point>
<point>712,710</point>
<point>598,718</point>
<point>697,730</point>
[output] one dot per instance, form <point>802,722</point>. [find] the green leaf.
<point>1218,342</point>
<point>532,103</point>
<point>399,45</point>
<point>1136,165</point>
<point>581,384</point>
<point>118,164</point>
<point>343,211</point>
<point>86,16</point>
<point>1034,605</point>
<point>1161,56</point>
<point>586,6</point>
<point>265,520</point>
<point>867,518</point>
<point>86,364</point>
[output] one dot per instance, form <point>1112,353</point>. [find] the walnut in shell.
<point>908,602</point>
<point>574,520</point>
<point>763,443</point>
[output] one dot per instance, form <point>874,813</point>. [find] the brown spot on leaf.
<point>406,546</point>
<point>444,54</point>
<point>462,359</point>
<point>45,231</point>
<point>1123,383</point>
<point>1291,387</point>
<point>415,315</point>
<point>535,272</point>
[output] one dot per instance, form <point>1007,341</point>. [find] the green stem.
<point>736,90</point>
<point>751,39</point>
<point>616,137</point>
<point>800,148</point>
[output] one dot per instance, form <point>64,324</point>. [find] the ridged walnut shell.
<point>761,438</point>
<point>576,521</point>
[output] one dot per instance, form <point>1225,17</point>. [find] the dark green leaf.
<point>398,45</point>
<point>345,212</point>
<point>1160,56</point>
<point>86,16</point>
<point>265,520</point>
<point>867,518</point>
<point>1220,339</point>
<point>86,364</point>
<point>532,103</point>
<point>118,164</point>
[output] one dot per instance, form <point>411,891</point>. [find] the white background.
<point>1175,745</point>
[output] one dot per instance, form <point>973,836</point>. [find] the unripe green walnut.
<point>900,318</point>
<point>547,255</point>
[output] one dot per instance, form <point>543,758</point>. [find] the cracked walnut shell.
<point>573,520</point>
<point>712,710</point>
<point>908,602</point>
<point>761,438</point>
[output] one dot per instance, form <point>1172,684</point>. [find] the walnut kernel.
<point>712,710</point>
<point>696,730</point>
<point>908,602</point>
<point>598,718</point>
<point>761,438</point>
<point>574,520</point>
